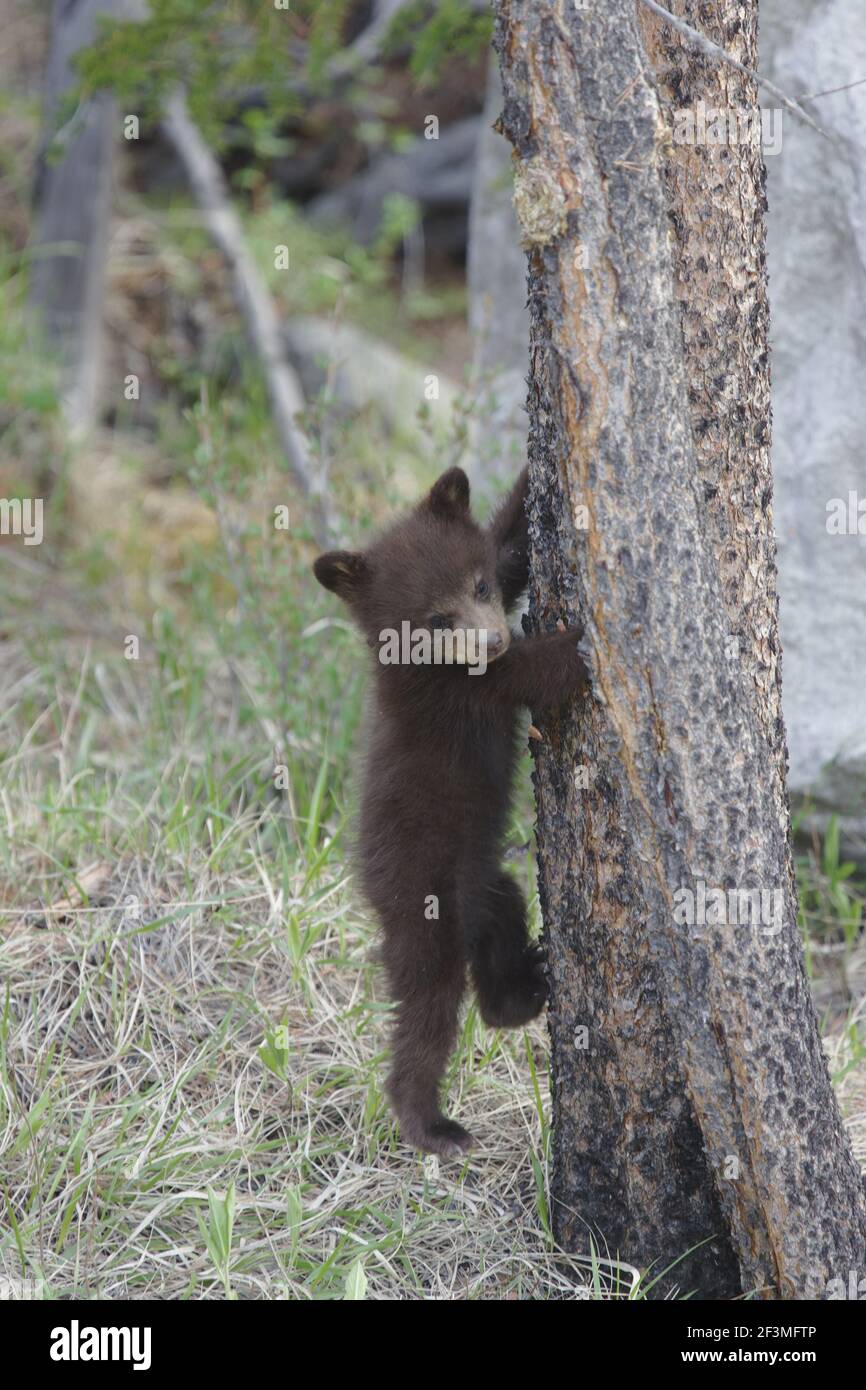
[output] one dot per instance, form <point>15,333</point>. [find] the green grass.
<point>192,1026</point>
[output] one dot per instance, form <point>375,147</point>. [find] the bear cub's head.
<point>435,569</point>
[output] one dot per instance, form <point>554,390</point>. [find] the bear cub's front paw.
<point>518,996</point>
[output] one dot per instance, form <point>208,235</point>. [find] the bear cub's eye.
<point>482,589</point>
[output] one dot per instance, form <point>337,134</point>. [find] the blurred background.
<point>213,216</point>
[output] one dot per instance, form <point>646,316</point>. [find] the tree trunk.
<point>691,1099</point>
<point>72,210</point>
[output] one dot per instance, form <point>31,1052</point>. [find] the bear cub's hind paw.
<point>443,1137</point>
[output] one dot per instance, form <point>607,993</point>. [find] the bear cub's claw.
<point>521,996</point>
<point>443,1137</point>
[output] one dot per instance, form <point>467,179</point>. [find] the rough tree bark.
<point>691,1097</point>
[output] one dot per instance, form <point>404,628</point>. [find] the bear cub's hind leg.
<point>428,980</point>
<point>507,968</point>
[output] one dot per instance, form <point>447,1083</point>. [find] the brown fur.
<point>437,780</point>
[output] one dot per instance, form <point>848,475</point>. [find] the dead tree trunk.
<point>691,1096</point>
<point>258,309</point>
<point>72,209</point>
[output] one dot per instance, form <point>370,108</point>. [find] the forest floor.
<point>192,1019</point>
<point>192,1028</point>
<point>192,1025</point>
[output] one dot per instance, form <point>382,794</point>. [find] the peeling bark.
<point>700,1107</point>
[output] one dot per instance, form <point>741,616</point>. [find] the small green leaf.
<point>356,1282</point>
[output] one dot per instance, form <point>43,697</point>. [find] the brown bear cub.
<point>440,757</point>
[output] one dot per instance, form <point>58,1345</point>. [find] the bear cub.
<point>440,754</point>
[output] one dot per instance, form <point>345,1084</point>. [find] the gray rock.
<point>817,260</point>
<point>364,371</point>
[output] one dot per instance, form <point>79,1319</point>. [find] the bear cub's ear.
<point>449,495</point>
<point>344,572</point>
<point>510,531</point>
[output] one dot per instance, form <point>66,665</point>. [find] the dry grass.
<point>192,1029</point>
<point>132,1083</point>
<point>164,917</point>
